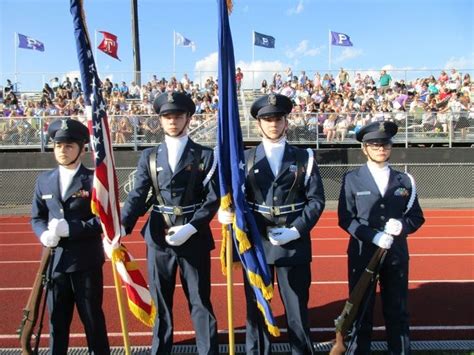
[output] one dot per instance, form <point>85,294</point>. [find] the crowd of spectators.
<point>334,107</point>
<point>341,105</point>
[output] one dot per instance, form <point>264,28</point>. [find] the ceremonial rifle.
<point>30,312</point>
<point>351,308</point>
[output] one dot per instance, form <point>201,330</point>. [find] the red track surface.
<point>441,283</point>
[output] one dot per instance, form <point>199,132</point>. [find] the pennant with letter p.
<point>340,39</point>
<point>109,44</point>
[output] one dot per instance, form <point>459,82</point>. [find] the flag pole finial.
<point>230,6</point>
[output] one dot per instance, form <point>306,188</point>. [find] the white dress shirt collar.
<point>175,147</point>
<point>65,178</point>
<point>274,153</point>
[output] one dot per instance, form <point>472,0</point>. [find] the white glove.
<point>49,239</point>
<point>109,247</point>
<point>178,235</point>
<point>225,216</point>
<point>383,240</point>
<point>281,236</point>
<point>59,227</point>
<point>393,227</point>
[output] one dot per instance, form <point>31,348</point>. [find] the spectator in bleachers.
<point>134,91</point>
<point>7,88</point>
<point>107,87</point>
<point>384,80</point>
<point>343,76</point>
<point>67,87</point>
<point>55,84</point>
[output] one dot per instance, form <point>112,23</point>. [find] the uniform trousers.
<point>85,289</point>
<point>195,276</point>
<point>394,294</point>
<point>293,285</point>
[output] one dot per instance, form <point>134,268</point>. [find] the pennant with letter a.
<point>105,202</point>
<point>109,44</point>
<point>231,163</point>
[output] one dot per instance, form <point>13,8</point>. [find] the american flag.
<point>105,202</point>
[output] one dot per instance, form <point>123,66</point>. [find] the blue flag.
<point>262,40</point>
<point>231,160</point>
<point>340,39</point>
<point>27,42</point>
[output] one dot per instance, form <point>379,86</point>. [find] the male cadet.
<point>285,191</point>
<point>378,207</point>
<point>181,176</point>
<point>62,219</point>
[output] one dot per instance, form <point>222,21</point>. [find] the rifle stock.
<point>345,320</point>
<point>30,312</point>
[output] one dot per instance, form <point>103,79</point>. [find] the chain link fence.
<point>438,185</point>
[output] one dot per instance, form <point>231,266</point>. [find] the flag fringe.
<point>235,264</point>
<point>257,281</point>
<point>273,330</point>
<point>146,318</point>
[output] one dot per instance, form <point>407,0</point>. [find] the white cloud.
<point>205,68</point>
<point>296,10</point>
<point>254,72</point>
<point>460,62</point>
<point>348,53</point>
<point>303,50</point>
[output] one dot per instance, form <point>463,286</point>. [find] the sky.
<point>398,35</point>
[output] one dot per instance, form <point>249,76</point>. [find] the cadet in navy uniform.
<point>180,174</point>
<point>62,219</point>
<point>285,191</point>
<point>378,207</point>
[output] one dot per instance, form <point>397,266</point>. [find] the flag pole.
<point>230,297</point>
<point>253,47</point>
<point>122,314</point>
<point>95,51</point>
<point>15,36</point>
<point>329,45</point>
<point>174,52</point>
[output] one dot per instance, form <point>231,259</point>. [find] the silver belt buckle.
<point>275,210</point>
<point>177,210</point>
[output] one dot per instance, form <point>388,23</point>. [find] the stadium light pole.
<point>136,43</point>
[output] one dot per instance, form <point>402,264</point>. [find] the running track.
<point>441,283</point>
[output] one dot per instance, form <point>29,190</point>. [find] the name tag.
<point>47,197</point>
<point>292,168</point>
<point>256,171</point>
<point>363,193</point>
<point>159,168</point>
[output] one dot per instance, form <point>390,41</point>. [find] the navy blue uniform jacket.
<point>172,187</point>
<point>363,212</point>
<point>83,248</point>
<point>275,191</point>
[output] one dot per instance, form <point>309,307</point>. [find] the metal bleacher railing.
<point>424,128</point>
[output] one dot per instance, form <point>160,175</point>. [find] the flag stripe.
<point>105,202</point>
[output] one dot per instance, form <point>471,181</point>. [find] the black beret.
<point>271,105</point>
<point>377,131</point>
<point>68,130</point>
<point>173,102</point>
